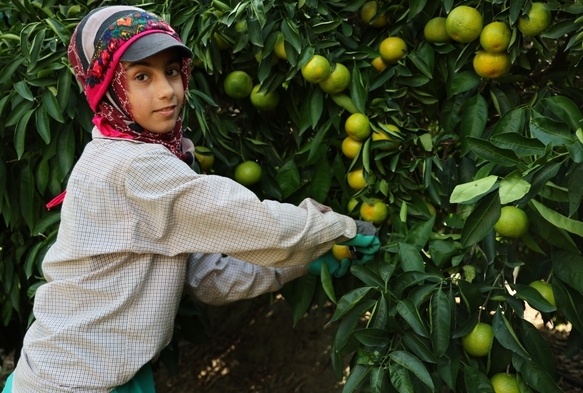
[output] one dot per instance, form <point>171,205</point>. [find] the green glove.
<point>335,267</point>
<point>364,247</point>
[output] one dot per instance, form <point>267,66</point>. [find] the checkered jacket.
<point>137,224</point>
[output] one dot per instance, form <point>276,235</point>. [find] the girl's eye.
<point>141,77</point>
<point>173,72</point>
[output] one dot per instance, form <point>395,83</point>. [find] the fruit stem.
<point>548,280</point>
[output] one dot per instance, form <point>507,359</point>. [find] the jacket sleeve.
<point>175,210</point>
<point>220,279</point>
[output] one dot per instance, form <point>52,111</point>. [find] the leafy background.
<point>468,146</point>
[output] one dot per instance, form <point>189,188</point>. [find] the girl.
<point>137,222</point>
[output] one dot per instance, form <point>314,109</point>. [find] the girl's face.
<point>155,91</point>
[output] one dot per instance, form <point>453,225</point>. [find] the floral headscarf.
<point>95,50</point>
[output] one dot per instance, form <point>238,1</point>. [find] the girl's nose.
<point>164,88</point>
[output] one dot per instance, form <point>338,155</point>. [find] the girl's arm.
<point>220,279</point>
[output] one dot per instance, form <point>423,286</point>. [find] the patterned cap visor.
<point>151,44</point>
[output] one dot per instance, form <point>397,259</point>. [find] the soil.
<point>254,348</point>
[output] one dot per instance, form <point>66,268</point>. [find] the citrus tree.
<point>453,126</point>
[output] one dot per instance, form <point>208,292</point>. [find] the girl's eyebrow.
<point>145,63</point>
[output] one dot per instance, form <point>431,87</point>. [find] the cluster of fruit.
<point>238,85</point>
<point>513,223</point>
<point>478,343</point>
<point>464,24</point>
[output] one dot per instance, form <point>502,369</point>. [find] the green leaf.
<point>557,219</point>
<point>348,301</point>
<point>475,381</point>
<point>318,138</point>
<point>27,195</point>
<point>521,145</point>
<point>408,279</point>
<point>20,133</point>
<point>513,187</point>
<point>540,178</point>
<point>535,375</point>
<point>415,7</point>
<point>16,114</point>
<point>473,120</point>
<point>411,259</point>
<point>448,369</point>
<point>316,100</point>
<point>413,364</point>
<point>349,322</point>
<point>535,299</point>
<point>31,291</point>
<point>358,92</point>
<point>471,295</point>
<point>321,180</point>
<point>440,322</point>
<point>42,176</point>
<point>45,222</point>
<point>327,282</point>
<point>575,149</point>
<point>37,43</point>
<point>570,302</point>
<point>30,261</point>
<point>481,220</point>
<point>560,29</point>
<point>565,109</point>
<point>64,89</point>
<point>290,32</point>
<point>490,152</point>
<point>367,276</point>
<point>468,191</point>
<point>42,124</point>
<point>512,122</point>
<point>358,375</point>
<point>372,337</point>
<point>464,81</point>
<point>9,69</point>
<point>406,309</point>
<point>300,297</point>
<point>66,149</point>
<point>59,29</point>
<point>400,378</point>
<point>421,65</point>
<point>52,106</point>
<point>569,268</point>
<point>3,191</point>
<point>515,10</point>
<point>549,131</point>
<point>419,347</point>
<point>538,347</point>
<point>419,233</point>
<point>288,178</point>
<point>377,379</point>
<point>442,251</point>
<point>23,90</point>
<point>505,334</point>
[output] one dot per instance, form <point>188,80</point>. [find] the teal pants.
<point>142,382</point>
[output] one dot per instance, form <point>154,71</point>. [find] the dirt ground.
<point>255,349</point>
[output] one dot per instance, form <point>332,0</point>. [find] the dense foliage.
<point>466,147</point>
